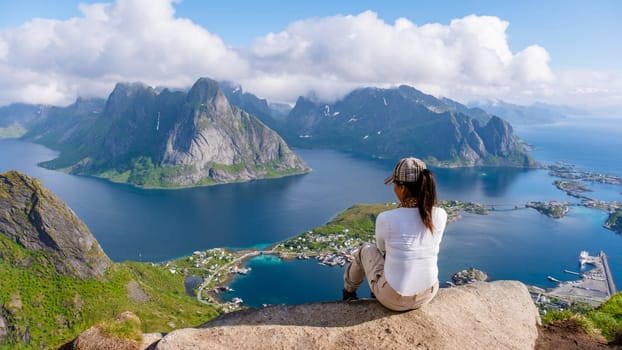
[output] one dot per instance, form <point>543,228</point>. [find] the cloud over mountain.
<point>469,56</point>
<point>52,61</point>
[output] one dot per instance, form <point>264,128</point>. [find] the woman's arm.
<point>381,231</point>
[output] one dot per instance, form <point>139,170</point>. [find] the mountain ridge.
<point>390,123</point>
<point>172,139</point>
<point>534,114</point>
<point>376,122</point>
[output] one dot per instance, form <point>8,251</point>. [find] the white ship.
<point>583,257</point>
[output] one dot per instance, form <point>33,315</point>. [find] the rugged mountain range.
<point>166,139</point>
<point>392,123</point>
<point>210,135</point>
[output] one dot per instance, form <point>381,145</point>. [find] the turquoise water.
<point>155,225</point>
<point>522,244</point>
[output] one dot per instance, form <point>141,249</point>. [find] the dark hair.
<point>424,191</point>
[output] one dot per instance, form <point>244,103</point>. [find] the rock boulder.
<point>496,315</point>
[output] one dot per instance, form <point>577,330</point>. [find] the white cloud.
<point>52,61</point>
<point>595,89</point>
<point>469,56</point>
<point>129,40</point>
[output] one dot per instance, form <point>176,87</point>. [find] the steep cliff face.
<point>214,138</point>
<point>55,280</point>
<point>252,104</point>
<point>391,123</point>
<point>169,139</point>
<point>38,220</point>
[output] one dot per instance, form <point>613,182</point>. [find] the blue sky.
<point>578,48</point>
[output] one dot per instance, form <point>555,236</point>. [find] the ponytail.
<point>424,190</point>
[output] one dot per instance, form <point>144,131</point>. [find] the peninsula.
<point>331,244</point>
<point>614,222</point>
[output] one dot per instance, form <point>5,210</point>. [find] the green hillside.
<point>51,309</point>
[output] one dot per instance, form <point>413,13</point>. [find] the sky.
<point>563,52</point>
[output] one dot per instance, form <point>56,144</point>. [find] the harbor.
<point>595,286</point>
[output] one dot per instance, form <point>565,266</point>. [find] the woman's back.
<point>411,250</point>
<point>401,266</point>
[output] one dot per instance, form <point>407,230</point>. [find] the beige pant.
<point>368,262</point>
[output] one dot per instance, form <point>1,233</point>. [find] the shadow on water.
<point>190,283</point>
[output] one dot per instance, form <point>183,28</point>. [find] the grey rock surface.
<point>38,220</point>
<point>497,315</point>
<point>215,132</point>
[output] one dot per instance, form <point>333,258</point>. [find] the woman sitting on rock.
<point>401,267</point>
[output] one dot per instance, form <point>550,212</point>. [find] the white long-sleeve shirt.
<point>411,250</point>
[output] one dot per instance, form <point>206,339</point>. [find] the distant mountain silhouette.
<point>537,113</point>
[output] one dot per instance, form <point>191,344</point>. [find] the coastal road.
<point>208,280</point>
<point>611,287</point>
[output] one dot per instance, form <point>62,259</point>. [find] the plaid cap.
<point>406,170</point>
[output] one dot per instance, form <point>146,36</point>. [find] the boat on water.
<point>551,278</point>
<point>584,257</point>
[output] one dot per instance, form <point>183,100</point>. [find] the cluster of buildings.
<point>311,243</point>
<point>214,258</point>
<point>333,249</point>
<point>239,270</point>
<point>340,258</point>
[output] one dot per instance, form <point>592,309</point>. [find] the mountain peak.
<point>204,90</point>
<point>173,139</point>
<point>129,89</point>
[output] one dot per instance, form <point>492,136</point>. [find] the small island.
<point>454,208</point>
<point>573,188</point>
<point>468,276</point>
<point>552,209</point>
<point>568,171</point>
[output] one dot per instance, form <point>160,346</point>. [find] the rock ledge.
<point>496,315</point>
